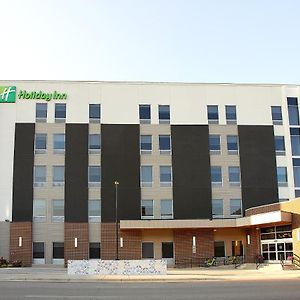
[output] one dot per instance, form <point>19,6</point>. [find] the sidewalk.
<point>59,274</point>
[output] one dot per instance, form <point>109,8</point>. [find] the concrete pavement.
<point>228,273</point>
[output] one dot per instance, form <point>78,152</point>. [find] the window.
<point>58,210</point>
<point>234,175</point>
<point>60,112</point>
<point>145,113</point>
<point>39,175</point>
<point>94,175</point>
<point>295,141</point>
<point>94,113</point>
<point>58,175</point>
<point>166,209</point>
<point>94,143</point>
<point>164,114</point>
<point>276,115</point>
<point>94,250</point>
<point>146,144</point>
<point>39,210</point>
<point>217,208</point>
<point>282,176</point>
<point>147,209</point>
<point>235,207</point>
<point>167,250</point>
<point>165,144</point>
<point>147,250</point>
<point>41,112</point>
<point>219,247</point>
<point>293,110</point>
<point>296,168</point>
<point>146,176</point>
<point>165,176</point>
<point>216,175</point>
<point>232,144</point>
<point>213,114</point>
<point>40,143</point>
<point>279,145</point>
<point>95,211</point>
<point>59,142</point>
<point>38,250</point>
<point>230,114</point>
<point>58,251</point>
<point>215,144</point>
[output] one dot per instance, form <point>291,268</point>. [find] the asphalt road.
<point>217,290</point>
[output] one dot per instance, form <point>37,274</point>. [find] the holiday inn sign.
<point>8,95</point>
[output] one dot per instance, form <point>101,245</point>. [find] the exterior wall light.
<point>121,242</point>
<point>20,241</point>
<point>248,239</point>
<point>194,245</point>
<point>75,242</point>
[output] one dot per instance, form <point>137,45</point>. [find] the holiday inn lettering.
<point>37,95</point>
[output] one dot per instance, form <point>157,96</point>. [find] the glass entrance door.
<point>274,251</point>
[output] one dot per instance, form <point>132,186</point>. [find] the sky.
<point>239,41</point>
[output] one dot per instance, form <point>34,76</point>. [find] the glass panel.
<point>166,208</point>
<point>94,252</point>
<point>280,246</point>
<point>234,174</point>
<point>268,236</point>
<point>279,143</point>
<point>38,250</point>
<point>266,255</point>
<point>39,208</point>
<point>216,174</point>
<point>295,140</point>
<point>58,250</point>
<point>94,141</point>
<point>40,174</point>
<point>40,141</point>
<point>59,141</point>
<point>165,142</point>
<point>212,112</point>
<point>281,175</point>
<point>235,207</point>
<point>147,250</point>
<point>58,208</point>
<point>147,208</point>
<point>272,247</point>
<point>94,111</point>
<point>146,174</point>
<point>219,248</point>
<point>264,247</point>
<point>281,255</point>
<point>165,174</point>
<point>293,115</point>
<point>276,113</point>
<point>283,235</point>
<point>214,143</point>
<point>230,112</point>
<point>41,110</point>
<point>164,112</point>
<point>167,250</point>
<point>145,112</point>
<point>94,174</point>
<point>146,142</point>
<point>297,176</point>
<point>232,143</point>
<point>217,207</point>
<point>94,208</point>
<point>289,246</point>
<point>284,228</point>
<point>267,230</point>
<point>58,173</point>
<point>60,111</point>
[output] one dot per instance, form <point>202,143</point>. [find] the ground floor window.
<point>94,251</point>
<point>219,248</point>
<point>58,250</point>
<point>237,248</point>
<point>167,250</point>
<point>147,250</point>
<point>38,250</point>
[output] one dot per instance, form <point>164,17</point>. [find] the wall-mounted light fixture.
<point>20,241</point>
<point>121,242</point>
<point>248,239</point>
<point>298,235</point>
<point>194,244</point>
<point>75,242</point>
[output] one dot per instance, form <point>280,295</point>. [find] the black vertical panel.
<point>76,173</point>
<point>258,165</point>
<point>23,172</point>
<point>191,172</point>
<point>120,160</point>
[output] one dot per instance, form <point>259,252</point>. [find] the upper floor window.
<point>295,141</point>
<point>58,210</point>
<point>147,209</point>
<point>146,143</point>
<point>296,169</point>
<point>230,114</point>
<point>276,115</point>
<point>282,176</point>
<point>146,176</point>
<point>165,144</point>
<point>94,175</point>
<point>95,211</point>
<point>166,209</point>
<point>94,112</point>
<point>213,114</point>
<point>40,142</point>
<point>293,110</point>
<point>39,210</point>
<point>94,143</point>
<point>59,142</point>
<point>58,175</point>
<point>279,145</point>
<point>215,144</point>
<point>164,113</point>
<point>39,175</point>
<point>165,176</point>
<point>216,175</point>
<point>217,208</point>
<point>41,112</point>
<point>145,113</point>
<point>232,144</point>
<point>235,207</point>
<point>234,175</point>
<point>60,112</point>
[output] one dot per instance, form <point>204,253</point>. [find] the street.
<point>279,289</point>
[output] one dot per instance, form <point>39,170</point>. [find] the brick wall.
<point>183,242</point>
<point>253,249</point>
<point>262,209</point>
<point>23,253</point>
<point>108,241</point>
<point>132,241</point>
<point>81,232</point>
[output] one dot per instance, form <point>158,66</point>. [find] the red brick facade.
<point>183,243</point>
<point>108,241</point>
<point>81,232</point>
<point>252,249</point>
<point>132,244</point>
<point>24,252</point>
<point>262,209</point>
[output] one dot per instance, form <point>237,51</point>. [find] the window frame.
<point>146,183</point>
<point>145,217</point>
<point>165,183</point>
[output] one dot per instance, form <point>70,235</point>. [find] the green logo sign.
<point>41,95</point>
<point>7,94</point>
